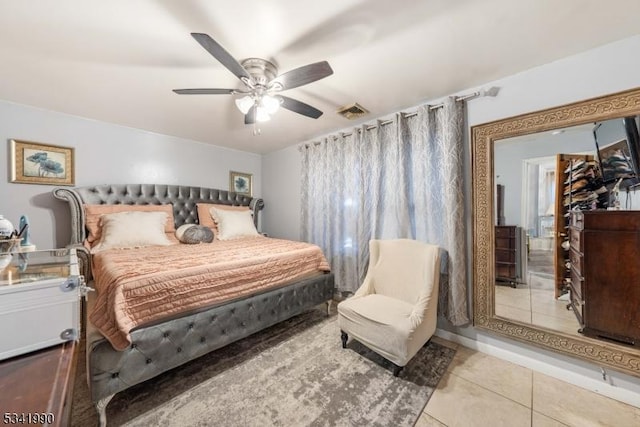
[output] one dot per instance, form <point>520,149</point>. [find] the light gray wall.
<point>508,166</point>
<point>106,153</point>
<point>597,72</point>
<point>281,184</point>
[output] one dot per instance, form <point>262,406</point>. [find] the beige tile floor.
<point>535,306</point>
<point>481,390</point>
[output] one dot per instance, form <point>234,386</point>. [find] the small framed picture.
<point>240,183</point>
<point>36,163</point>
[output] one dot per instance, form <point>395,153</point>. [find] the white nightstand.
<point>40,295</point>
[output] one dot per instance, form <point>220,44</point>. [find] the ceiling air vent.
<point>353,111</point>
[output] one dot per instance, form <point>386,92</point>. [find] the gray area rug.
<point>292,374</point>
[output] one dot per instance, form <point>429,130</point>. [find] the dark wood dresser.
<point>37,388</point>
<point>506,251</point>
<point>605,274</point>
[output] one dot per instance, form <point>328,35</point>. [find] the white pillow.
<point>132,229</point>
<point>233,224</point>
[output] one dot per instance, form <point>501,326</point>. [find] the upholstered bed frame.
<point>160,347</point>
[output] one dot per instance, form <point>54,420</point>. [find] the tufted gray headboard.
<point>183,199</point>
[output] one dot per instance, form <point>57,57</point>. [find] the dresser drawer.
<point>576,282</point>
<point>505,270</point>
<point>576,305</point>
<point>506,255</point>
<point>575,239</point>
<point>505,232</point>
<point>576,261</point>
<point>577,220</point>
<point>40,383</point>
<point>505,243</point>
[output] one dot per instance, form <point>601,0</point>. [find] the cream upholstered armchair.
<point>394,312</point>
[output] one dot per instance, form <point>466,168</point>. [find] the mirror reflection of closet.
<point>543,176</point>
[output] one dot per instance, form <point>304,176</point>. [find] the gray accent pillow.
<point>194,233</point>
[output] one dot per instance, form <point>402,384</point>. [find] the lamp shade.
<point>270,104</point>
<point>262,115</point>
<point>244,104</point>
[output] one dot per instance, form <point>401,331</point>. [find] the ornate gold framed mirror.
<point>622,356</point>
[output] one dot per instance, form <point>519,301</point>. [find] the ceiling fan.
<point>262,83</point>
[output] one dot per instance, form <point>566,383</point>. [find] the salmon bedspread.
<point>138,286</point>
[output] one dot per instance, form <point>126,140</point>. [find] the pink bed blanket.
<point>143,285</point>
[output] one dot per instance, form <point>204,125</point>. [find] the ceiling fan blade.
<point>221,55</point>
<point>205,91</point>
<point>300,107</point>
<point>250,117</point>
<point>304,75</point>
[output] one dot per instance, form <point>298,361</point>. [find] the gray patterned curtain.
<point>398,180</point>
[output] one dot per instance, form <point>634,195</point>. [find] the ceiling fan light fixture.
<point>270,104</point>
<point>244,104</point>
<point>261,79</point>
<point>262,115</point>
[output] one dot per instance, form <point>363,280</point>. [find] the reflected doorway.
<point>538,217</point>
<point>533,300</point>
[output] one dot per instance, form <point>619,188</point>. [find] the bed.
<point>151,345</point>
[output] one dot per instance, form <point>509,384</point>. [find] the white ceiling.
<point>117,61</point>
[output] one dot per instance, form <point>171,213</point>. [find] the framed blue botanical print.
<point>35,163</point>
<point>240,183</point>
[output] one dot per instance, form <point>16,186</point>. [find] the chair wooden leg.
<point>344,337</point>
<point>396,369</point>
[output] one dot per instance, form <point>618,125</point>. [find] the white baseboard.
<point>599,386</point>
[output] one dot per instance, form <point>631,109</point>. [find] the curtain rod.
<point>492,91</point>
<point>466,97</point>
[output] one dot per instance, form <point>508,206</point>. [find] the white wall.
<point>601,71</point>
<point>106,153</point>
